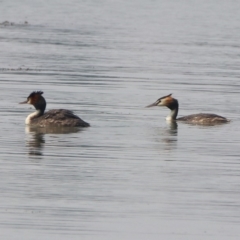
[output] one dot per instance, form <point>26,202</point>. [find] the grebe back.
<point>200,118</point>
<point>54,117</point>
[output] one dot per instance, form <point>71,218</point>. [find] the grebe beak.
<point>24,102</point>
<point>152,105</point>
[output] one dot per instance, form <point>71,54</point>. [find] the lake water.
<point>130,175</point>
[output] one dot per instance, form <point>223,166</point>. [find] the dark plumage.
<point>200,118</point>
<point>59,118</point>
<point>54,117</point>
<point>204,119</point>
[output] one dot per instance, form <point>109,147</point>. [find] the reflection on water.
<point>53,130</point>
<point>170,137</point>
<point>131,169</point>
<point>37,137</point>
<point>167,136</point>
<point>36,144</point>
<point>172,127</point>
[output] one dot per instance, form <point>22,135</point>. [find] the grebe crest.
<point>54,117</point>
<point>200,118</point>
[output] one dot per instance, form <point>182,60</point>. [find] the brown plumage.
<point>204,119</point>
<point>54,117</point>
<point>59,118</point>
<point>200,118</point>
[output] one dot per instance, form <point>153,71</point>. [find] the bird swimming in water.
<point>51,118</point>
<point>200,118</point>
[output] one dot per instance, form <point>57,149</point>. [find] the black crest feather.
<point>35,93</point>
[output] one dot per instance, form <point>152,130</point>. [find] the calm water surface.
<point>131,175</point>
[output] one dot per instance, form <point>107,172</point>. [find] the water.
<point>131,175</point>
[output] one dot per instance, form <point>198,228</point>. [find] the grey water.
<point>130,175</point>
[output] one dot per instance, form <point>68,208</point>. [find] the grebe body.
<point>54,117</point>
<point>200,118</point>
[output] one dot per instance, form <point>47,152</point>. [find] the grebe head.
<point>37,100</point>
<point>167,101</point>
<point>200,118</point>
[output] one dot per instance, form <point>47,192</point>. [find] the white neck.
<point>173,115</point>
<point>31,116</point>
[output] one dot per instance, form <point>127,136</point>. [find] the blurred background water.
<point>131,175</point>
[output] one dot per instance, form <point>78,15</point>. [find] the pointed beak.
<point>152,105</point>
<point>24,102</point>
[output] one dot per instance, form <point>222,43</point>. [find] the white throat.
<point>31,116</point>
<point>173,115</point>
<point>169,118</point>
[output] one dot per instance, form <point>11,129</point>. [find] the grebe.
<point>200,118</point>
<point>54,117</point>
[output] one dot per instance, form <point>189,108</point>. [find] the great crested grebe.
<point>200,118</point>
<point>52,118</point>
